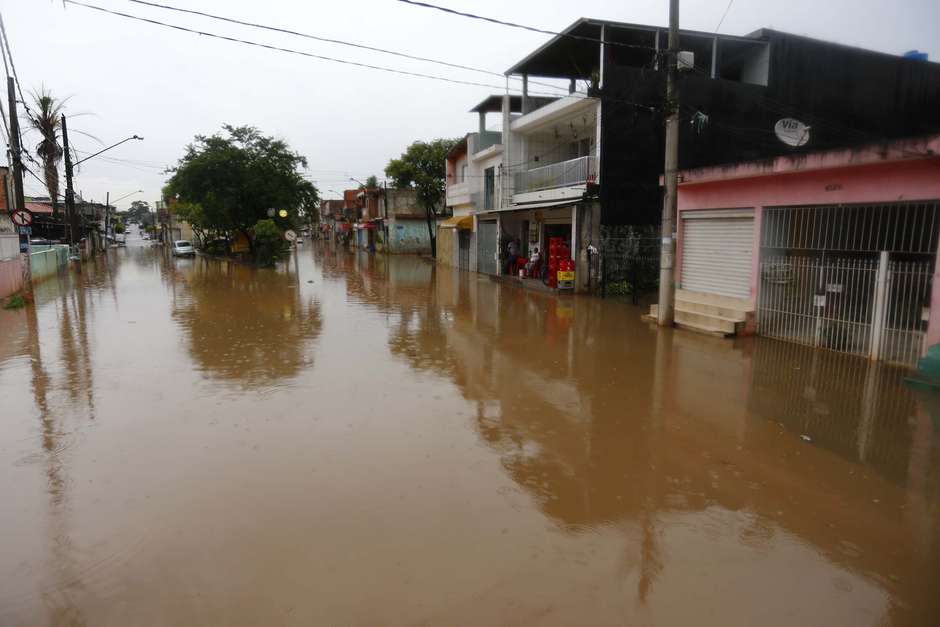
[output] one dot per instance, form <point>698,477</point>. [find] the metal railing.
<point>867,307</point>
<point>563,174</point>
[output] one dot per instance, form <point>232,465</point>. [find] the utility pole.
<point>70,215</point>
<point>107,217</point>
<point>665,312</point>
<point>19,202</point>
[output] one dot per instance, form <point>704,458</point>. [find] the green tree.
<point>236,177</point>
<point>47,120</point>
<point>140,211</point>
<point>422,168</point>
<point>269,241</point>
<point>119,227</point>
<point>372,182</point>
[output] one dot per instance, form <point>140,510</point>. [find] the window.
<point>463,173</point>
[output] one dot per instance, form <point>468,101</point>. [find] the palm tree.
<point>48,120</point>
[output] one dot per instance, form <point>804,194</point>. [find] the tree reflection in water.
<point>243,324</point>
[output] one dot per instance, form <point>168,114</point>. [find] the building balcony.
<point>572,173</point>
<point>458,194</point>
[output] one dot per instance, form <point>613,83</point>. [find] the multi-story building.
<point>581,165</point>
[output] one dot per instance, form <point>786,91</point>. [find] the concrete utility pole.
<point>19,201</point>
<point>70,215</point>
<point>665,311</point>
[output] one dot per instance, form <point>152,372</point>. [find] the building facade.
<point>835,249</point>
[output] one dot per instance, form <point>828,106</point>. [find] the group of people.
<point>515,260</point>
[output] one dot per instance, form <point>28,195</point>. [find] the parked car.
<point>183,248</point>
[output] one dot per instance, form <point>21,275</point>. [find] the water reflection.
<point>244,325</point>
<point>606,423</point>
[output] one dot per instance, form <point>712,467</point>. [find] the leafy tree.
<point>140,211</point>
<point>47,120</point>
<point>372,182</point>
<point>119,227</point>
<point>422,168</point>
<point>192,213</point>
<point>237,176</point>
<point>269,241</point>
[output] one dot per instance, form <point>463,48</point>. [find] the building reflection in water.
<point>245,326</point>
<point>687,443</point>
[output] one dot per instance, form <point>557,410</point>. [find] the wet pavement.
<point>350,440</point>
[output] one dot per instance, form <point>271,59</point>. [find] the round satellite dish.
<point>792,132</point>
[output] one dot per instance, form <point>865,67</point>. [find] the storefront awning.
<point>537,205</point>
<point>457,222</point>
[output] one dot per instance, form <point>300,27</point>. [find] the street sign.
<point>24,230</point>
<point>290,235</point>
<point>22,217</point>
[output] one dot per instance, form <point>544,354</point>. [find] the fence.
<point>628,267</point>
<point>563,174</point>
<point>872,307</point>
<point>46,262</point>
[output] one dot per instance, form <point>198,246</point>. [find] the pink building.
<point>835,249</point>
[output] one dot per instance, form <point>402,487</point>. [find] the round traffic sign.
<point>22,217</point>
<point>290,235</point>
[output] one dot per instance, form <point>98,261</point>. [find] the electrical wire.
<point>724,15</point>
<point>340,42</point>
<point>533,29</point>
<point>282,49</point>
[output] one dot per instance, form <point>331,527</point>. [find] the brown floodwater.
<point>355,440</point>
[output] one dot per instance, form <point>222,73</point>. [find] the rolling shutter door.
<point>717,253</point>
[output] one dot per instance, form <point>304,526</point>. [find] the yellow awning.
<point>457,222</point>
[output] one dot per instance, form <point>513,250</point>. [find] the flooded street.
<point>356,440</point>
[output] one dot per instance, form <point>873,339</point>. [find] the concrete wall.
<point>11,276</point>
<point>9,245</point>
<point>408,235</point>
<point>46,263</point>
<point>447,247</point>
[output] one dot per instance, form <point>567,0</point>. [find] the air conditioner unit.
<point>686,60</point>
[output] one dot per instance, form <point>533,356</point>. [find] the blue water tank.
<point>917,55</point>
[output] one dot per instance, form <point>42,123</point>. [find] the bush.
<point>119,227</point>
<point>269,242</point>
<point>15,302</point>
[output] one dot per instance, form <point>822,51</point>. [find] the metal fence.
<point>563,174</point>
<point>628,267</point>
<point>864,306</point>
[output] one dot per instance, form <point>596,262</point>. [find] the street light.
<point>355,180</point>
<point>137,137</point>
<point>139,191</point>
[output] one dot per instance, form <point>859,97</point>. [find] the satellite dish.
<point>792,132</point>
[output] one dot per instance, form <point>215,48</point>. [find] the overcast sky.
<point>126,77</point>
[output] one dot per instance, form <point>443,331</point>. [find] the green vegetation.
<point>119,227</point>
<point>140,211</point>
<point>15,302</point>
<point>422,168</point>
<point>269,242</point>
<point>225,184</point>
<point>47,120</point>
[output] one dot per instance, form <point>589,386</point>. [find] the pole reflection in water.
<point>400,443</point>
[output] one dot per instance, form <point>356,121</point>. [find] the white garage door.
<point>717,248</point>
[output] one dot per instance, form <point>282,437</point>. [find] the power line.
<point>724,15</point>
<point>281,49</point>
<point>533,29</point>
<point>330,40</point>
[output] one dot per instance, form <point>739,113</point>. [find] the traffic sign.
<point>290,235</point>
<point>22,217</point>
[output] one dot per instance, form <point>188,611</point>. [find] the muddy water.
<point>356,441</point>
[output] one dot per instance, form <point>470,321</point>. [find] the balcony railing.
<point>458,193</point>
<point>563,174</point>
<point>482,141</point>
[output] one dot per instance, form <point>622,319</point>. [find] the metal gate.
<point>487,242</point>
<point>873,307</point>
<point>463,249</point>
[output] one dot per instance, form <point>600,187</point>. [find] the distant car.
<point>38,241</point>
<point>183,248</point>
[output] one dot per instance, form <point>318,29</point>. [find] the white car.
<point>182,248</point>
